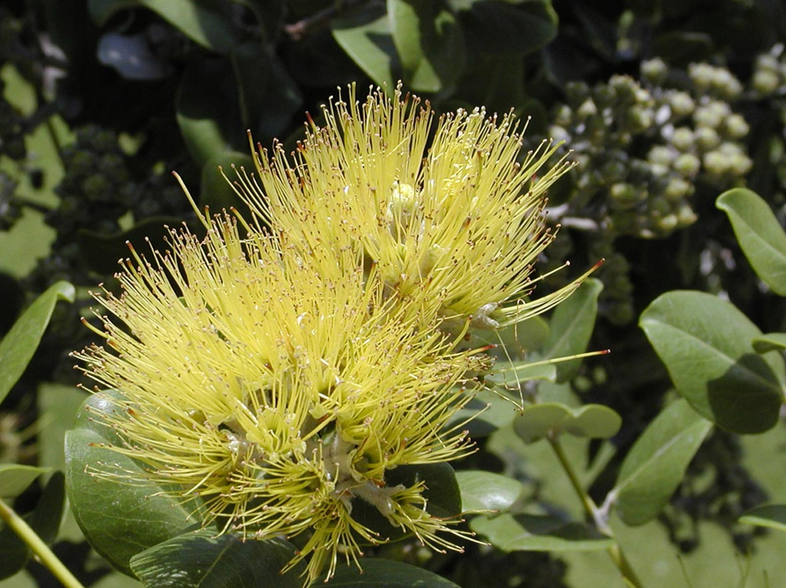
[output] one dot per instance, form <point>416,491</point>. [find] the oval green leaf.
<point>769,342</point>
<point>483,491</point>
<point>202,559</point>
<point>768,515</point>
<point>705,343</point>
<point>429,43</point>
<point>571,328</point>
<point>593,421</point>
<point>19,344</point>
<point>121,517</point>
<point>365,36</point>
<point>208,23</point>
<point>656,464</point>
<point>505,28</point>
<point>539,533</point>
<point>15,478</point>
<point>383,573</point>
<point>759,234</point>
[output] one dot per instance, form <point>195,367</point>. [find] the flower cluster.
<point>277,370</point>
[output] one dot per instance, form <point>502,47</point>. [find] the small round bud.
<point>767,62</point>
<point>765,81</point>
<point>660,154</point>
<point>587,109</point>
<point>676,189</point>
<point>701,75</point>
<point>559,134</point>
<point>716,163</point>
<point>706,138</point>
<point>638,119</point>
<point>682,138</point>
<point>654,70</point>
<point>681,103</point>
<point>687,165</point>
<point>667,223</point>
<point>736,127</point>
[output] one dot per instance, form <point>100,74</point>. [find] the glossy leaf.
<point>656,463</point>
<point>57,407</point>
<point>489,412</point>
<point>121,517</point>
<point>208,22</point>
<point>538,533</point>
<point>19,344</point>
<point>768,515</point>
<point>383,573</point>
<point>571,328</point>
<point>759,234</point>
<point>208,110</point>
<point>504,28</point>
<point>15,478</point>
<point>202,559</point>
<point>481,490</point>
<point>769,342</point>
<point>592,421</point>
<point>365,36</point>
<point>429,43</point>
<point>705,343</point>
<point>44,520</point>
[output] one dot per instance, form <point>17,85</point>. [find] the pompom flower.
<point>454,218</point>
<point>273,397</point>
<point>277,371</point>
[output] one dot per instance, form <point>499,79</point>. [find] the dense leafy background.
<point>664,104</point>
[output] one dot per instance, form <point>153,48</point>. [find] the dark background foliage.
<point>662,104</point>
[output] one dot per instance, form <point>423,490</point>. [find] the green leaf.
<point>481,490</point>
<point>592,421</point>
<point>365,36</point>
<point>383,573</point>
<point>200,559</point>
<point>208,109</point>
<point>119,517</point>
<point>760,236</point>
<point>57,407</point>
<point>15,478</point>
<point>656,463</point>
<point>491,411</point>
<point>429,43</point>
<point>539,533</point>
<point>768,515</point>
<point>511,375</point>
<point>705,343</point>
<point>208,22</point>
<point>769,342</point>
<point>442,493</point>
<point>504,28</point>
<point>19,344</point>
<point>571,328</point>
<point>44,520</point>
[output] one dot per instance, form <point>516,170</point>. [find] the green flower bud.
<point>681,103</point>
<point>687,165</point>
<point>660,154</point>
<point>558,133</point>
<point>654,70</point>
<point>706,138</point>
<point>682,138</point>
<point>685,215</point>
<point>667,223</point>
<point>701,75</point>
<point>765,81</point>
<point>735,126</point>
<point>716,163</point>
<point>767,62</point>
<point>563,115</point>
<point>587,109</point>
<point>638,119</point>
<point>676,189</point>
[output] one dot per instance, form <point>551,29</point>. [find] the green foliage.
<point>663,105</point>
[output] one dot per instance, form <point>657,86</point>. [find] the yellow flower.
<point>460,223</point>
<point>272,395</point>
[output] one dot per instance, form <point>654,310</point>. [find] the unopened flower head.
<point>273,396</point>
<point>454,217</point>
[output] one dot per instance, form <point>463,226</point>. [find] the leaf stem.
<point>615,551</point>
<point>37,545</point>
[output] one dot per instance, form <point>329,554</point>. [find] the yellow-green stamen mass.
<point>275,372</point>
